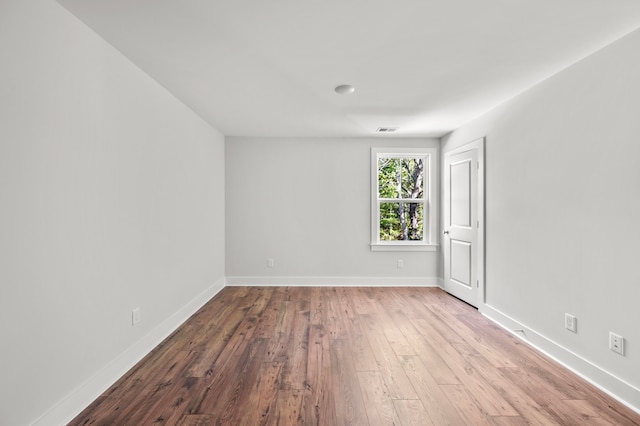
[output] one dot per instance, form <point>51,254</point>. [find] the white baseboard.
<point>334,281</point>
<point>73,404</point>
<point>617,388</point>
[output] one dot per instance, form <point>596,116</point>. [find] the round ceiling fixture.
<point>345,89</point>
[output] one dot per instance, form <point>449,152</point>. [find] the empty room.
<point>319,212</point>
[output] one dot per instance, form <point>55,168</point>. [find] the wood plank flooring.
<point>347,356</point>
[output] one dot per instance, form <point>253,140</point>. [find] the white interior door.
<point>463,253</point>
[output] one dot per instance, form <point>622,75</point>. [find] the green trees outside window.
<point>401,198</point>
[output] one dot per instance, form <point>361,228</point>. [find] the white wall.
<point>111,197</point>
<point>305,202</point>
<point>563,210</point>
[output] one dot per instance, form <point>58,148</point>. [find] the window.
<point>403,202</point>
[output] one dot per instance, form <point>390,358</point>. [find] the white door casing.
<point>463,222</point>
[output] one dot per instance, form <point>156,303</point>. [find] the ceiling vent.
<point>386,129</point>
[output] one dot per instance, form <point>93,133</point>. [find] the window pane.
<point>401,221</point>
<point>412,181</point>
<point>388,169</point>
<point>400,178</point>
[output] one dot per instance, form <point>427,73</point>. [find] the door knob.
<point>445,232</point>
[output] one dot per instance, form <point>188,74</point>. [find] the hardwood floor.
<point>337,356</point>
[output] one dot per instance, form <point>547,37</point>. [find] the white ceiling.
<point>268,67</point>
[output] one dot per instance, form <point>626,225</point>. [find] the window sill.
<point>404,247</point>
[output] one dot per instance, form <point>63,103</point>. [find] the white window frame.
<point>431,216</point>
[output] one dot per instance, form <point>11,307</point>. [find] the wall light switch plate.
<point>136,316</point>
<point>571,323</point>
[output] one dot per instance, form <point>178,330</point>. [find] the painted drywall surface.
<point>111,197</point>
<point>305,203</point>
<point>563,202</point>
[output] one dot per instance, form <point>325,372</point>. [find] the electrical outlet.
<point>136,316</point>
<point>616,343</point>
<point>400,263</point>
<point>571,323</point>
<point>270,263</point>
